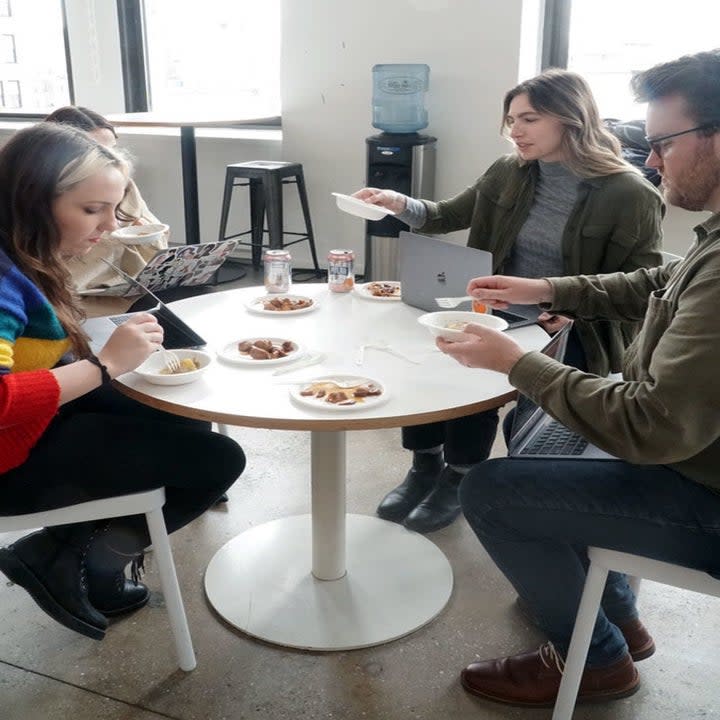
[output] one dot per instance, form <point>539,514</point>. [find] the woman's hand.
<point>552,323</point>
<point>131,344</point>
<point>483,347</point>
<point>389,199</point>
<point>500,291</point>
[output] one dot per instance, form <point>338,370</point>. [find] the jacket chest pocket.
<point>659,315</point>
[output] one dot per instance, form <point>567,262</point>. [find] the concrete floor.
<point>47,671</point>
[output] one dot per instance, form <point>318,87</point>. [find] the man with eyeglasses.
<point>537,517</point>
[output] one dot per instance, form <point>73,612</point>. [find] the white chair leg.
<point>223,429</point>
<point>173,600</point>
<point>580,642</point>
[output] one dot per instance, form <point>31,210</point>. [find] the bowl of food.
<point>140,234</point>
<point>158,371</point>
<point>450,324</point>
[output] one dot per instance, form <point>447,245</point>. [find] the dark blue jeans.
<point>536,519</point>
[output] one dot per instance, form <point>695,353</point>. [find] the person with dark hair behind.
<point>661,498</point>
<point>90,272</point>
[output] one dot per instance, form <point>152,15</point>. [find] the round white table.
<point>328,580</point>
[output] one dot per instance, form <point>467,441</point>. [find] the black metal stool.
<point>266,179</point>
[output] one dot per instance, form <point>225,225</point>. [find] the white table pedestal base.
<point>261,582</point>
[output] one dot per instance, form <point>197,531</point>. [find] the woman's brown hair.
<point>590,149</point>
<point>36,165</point>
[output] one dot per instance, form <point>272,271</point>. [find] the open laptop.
<point>431,268</point>
<point>185,265</point>
<point>535,434</point>
<point>177,333</point>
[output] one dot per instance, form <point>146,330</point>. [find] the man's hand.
<point>482,347</point>
<point>500,291</point>
<point>552,323</point>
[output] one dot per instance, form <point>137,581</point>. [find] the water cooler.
<point>399,158</point>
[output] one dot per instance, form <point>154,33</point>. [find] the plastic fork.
<point>171,360</point>
<point>452,302</point>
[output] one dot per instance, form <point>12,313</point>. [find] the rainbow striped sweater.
<point>31,341</point>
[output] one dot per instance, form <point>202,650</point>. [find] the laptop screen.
<point>526,412</point>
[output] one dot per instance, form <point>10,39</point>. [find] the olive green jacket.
<point>614,225</point>
<point>667,410</point>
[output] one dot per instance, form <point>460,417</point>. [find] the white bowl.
<point>437,322</point>
<point>140,234</point>
<point>355,206</point>
<point>150,369</point>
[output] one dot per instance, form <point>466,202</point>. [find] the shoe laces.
<point>137,568</point>
<point>551,657</point>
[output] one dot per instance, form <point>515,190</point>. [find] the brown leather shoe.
<point>533,679</point>
<point>639,641</point>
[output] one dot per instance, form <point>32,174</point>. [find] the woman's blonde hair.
<point>37,165</point>
<point>590,149</point>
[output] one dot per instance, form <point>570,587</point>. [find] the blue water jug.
<point>399,97</point>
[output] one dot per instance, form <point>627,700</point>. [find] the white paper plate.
<point>355,206</point>
<point>256,305</point>
<point>231,354</point>
<point>364,291</point>
<point>348,380</point>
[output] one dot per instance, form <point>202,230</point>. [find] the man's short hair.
<point>696,78</point>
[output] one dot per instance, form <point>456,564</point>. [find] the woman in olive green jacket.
<point>564,203</point>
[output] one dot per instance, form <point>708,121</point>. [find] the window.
<point>7,49</point>
<point>32,56</point>
<point>610,41</point>
<point>10,94</point>
<point>222,56</point>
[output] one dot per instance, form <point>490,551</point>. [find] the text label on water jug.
<point>341,273</point>
<point>277,271</point>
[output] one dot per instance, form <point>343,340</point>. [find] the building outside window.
<point>224,59</point>
<point>32,33</point>
<point>612,40</point>
<point>10,94</point>
<point>7,49</point>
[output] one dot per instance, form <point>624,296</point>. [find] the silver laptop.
<point>431,268</point>
<point>535,434</point>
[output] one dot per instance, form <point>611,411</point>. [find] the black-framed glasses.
<point>656,143</point>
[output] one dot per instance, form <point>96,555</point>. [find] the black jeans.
<point>468,440</point>
<point>104,444</point>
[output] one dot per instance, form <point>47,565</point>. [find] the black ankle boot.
<point>440,507</point>
<point>418,482</point>
<point>113,594</point>
<point>52,569</point>
<point>109,590</point>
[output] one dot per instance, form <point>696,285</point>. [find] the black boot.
<point>51,567</point>
<point>417,484</point>
<point>109,590</point>
<point>440,507</point>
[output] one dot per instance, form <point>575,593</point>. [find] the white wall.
<point>329,48</point>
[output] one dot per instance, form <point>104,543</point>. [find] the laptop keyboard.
<point>555,439</point>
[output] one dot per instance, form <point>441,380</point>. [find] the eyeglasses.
<point>657,143</point>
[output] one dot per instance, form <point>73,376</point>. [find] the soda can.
<point>277,271</point>
<point>341,272</point>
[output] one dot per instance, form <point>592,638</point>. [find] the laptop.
<point>177,333</point>
<point>185,266</point>
<point>431,268</point>
<point>535,434</point>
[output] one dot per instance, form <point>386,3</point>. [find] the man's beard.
<point>698,184</point>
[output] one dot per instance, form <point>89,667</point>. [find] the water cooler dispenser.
<point>399,158</point>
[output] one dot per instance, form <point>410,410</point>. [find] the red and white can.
<point>277,271</point>
<point>341,270</point>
